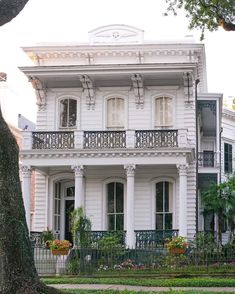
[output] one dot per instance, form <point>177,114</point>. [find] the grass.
<point>151,282</point>
<point>139,292</point>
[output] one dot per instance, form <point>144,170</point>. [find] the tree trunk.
<point>17,270</point>
<point>10,9</point>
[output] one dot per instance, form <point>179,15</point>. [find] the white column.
<point>182,168</point>
<point>79,189</point>
<point>130,234</point>
<point>26,191</point>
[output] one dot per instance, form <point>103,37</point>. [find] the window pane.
<point>119,197</point>
<point>166,196</point>
<point>168,221</point>
<point>119,222</point>
<point>72,112</point>
<point>159,197</point>
<point>110,197</point>
<point>70,191</point>
<point>63,112</point>
<point>115,112</point>
<point>159,221</point>
<point>111,222</point>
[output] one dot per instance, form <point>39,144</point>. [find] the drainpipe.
<point>196,151</point>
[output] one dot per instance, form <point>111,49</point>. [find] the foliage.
<point>220,200</point>
<point>47,236</point>
<point>206,14</point>
<point>177,242</point>
<point>138,281</point>
<point>110,241</point>
<point>80,226</point>
<point>205,242</point>
<point>60,244</point>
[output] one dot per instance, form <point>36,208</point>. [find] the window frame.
<point>104,224</point>
<point>228,162</point>
<point>69,97</point>
<point>172,183</point>
<point>155,115</point>
<point>125,111</point>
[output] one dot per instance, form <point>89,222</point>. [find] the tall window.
<point>228,158</point>
<point>115,206</point>
<point>68,113</point>
<point>115,113</point>
<point>163,112</point>
<point>163,206</point>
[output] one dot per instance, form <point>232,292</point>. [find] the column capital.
<point>182,168</point>
<point>25,170</point>
<point>130,169</point>
<point>78,170</point>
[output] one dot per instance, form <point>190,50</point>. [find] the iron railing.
<point>207,159</point>
<point>153,238</point>
<point>156,138</point>
<point>53,140</point>
<point>104,139</point>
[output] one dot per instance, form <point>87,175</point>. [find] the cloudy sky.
<point>70,20</point>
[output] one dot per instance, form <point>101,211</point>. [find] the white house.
<point>118,133</point>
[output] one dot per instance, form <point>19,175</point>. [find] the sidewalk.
<point>139,288</point>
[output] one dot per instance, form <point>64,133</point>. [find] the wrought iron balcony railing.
<point>53,140</point>
<point>207,159</point>
<point>104,139</point>
<point>156,138</point>
<point>94,140</point>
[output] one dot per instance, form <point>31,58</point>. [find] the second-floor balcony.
<point>207,159</point>
<point>96,140</point>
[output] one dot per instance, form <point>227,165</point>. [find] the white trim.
<point>154,181</point>
<point>104,201</point>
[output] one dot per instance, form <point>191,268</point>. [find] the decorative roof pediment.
<point>116,34</point>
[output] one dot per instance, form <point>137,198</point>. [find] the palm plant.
<point>220,200</point>
<point>81,225</point>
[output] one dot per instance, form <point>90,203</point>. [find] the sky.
<point>71,20</point>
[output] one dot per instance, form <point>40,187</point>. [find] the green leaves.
<point>205,14</point>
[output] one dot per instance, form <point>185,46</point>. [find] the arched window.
<point>68,113</point>
<point>163,112</point>
<point>115,206</point>
<point>164,206</point>
<point>115,113</point>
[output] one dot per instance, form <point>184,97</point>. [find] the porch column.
<point>26,173</point>
<point>182,168</point>
<point>79,189</point>
<point>130,234</point>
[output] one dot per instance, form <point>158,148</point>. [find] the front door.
<point>69,207</point>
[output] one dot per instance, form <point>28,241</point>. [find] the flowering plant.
<point>60,244</point>
<point>177,242</point>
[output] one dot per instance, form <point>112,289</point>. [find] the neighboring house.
<point>117,133</point>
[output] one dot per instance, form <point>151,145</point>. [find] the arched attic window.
<point>115,112</point>
<point>68,112</point>
<point>163,111</point>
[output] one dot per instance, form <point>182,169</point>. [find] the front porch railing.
<point>104,139</point>
<point>53,140</point>
<point>146,239</point>
<point>156,138</point>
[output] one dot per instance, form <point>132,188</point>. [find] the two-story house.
<point>118,133</point>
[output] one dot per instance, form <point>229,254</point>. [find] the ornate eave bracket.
<point>138,89</point>
<point>40,92</point>
<point>88,91</point>
<point>188,86</point>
